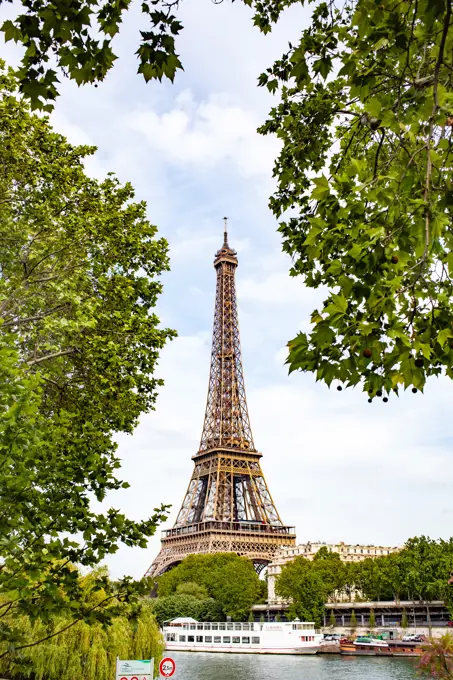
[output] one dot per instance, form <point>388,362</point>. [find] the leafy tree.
<point>229,579</point>
<point>251,617</point>
<point>262,619</point>
<point>372,619</point>
<point>278,618</point>
<point>353,622</point>
<point>193,589</point>
<point>86,649</point>
<point>79,267</point>
<point>172,606</point>
<point>437,659</point>
<point>300,583</point>
<point>366,165</point>
<point>332,571</point>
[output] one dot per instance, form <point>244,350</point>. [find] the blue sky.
<point>338,467</point>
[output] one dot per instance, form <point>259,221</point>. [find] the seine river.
<point>202,666</point>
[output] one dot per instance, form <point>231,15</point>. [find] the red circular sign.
<point>167,667</point>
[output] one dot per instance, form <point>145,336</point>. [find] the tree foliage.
<point>437,659</point>
<point>419,572</point>
<point>366,164</point>
<point>172,606</point>
<point>87,649</point>
<point>229,579</point>
<point>79,267</point>
<point>76,39</point>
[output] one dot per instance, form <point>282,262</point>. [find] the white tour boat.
<point>293,637</point>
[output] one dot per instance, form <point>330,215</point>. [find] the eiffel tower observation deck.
<point>227,507</point>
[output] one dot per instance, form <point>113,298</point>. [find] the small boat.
<point>365,646</point>
<point>405,648</point>
<point>293,637</point>
<point>368,646</point>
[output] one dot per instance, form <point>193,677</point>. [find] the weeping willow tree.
<point>87,651</point>
<point>84,649</point>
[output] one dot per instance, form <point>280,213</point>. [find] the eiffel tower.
<point>227,507</point>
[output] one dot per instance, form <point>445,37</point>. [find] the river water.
<point>204,666</point>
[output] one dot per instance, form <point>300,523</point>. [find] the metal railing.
<point>236,527</point>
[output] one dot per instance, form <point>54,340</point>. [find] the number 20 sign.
<point>167,667</point>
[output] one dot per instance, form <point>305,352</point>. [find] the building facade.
<point>348,553</point>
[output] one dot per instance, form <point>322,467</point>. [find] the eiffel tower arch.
<point>228,506</point>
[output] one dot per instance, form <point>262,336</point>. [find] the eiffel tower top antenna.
<point>225,231</point>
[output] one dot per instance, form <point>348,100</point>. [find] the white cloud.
<point>203,134</point>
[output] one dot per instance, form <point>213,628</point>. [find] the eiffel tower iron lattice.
<point>227,507</point>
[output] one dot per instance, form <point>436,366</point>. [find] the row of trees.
<point>420,571</point>
<point>209,588</point>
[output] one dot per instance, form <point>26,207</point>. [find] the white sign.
<point>134,670</point>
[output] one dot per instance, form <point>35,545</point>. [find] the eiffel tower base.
<point>258,544</point>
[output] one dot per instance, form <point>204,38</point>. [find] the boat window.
<point>182,638</point>
<point>199,638</point>
<point>186,626</point>
<point>237,626</point>
<point>221,626</point>
<point>193,626</point>
<point>226,640</point>
<point>229,626</point>
<point>171,637</point>
<point>245,640</point>
<point>217,639</point>
<point>214,627</point>
<point>255,640</point>
<point>208,638</point>
<point>246,626</point>
<point>207,626</point>
<point>190,638</point>
<point>199,626</point>
<point>236,640</point>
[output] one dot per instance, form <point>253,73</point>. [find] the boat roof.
<point>182,619</point>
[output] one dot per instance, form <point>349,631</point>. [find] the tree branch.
<point>53,355</point>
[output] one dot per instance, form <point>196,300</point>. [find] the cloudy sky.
<point>337,467</point>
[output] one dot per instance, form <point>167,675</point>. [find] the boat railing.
<point>215,626</point>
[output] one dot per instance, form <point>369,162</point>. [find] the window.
<point>190,638</point>
<point>199,638</point>
<point>217,639</point>
<point>171,637</point>
<point>182,638</point>
<point>245,640</point>
<point>192,626</point>
<point>229,626</point>
<point>208,638</point>
<point>236,640</point>
<point>255,640</point>
<point>199,626</point>
<point>238,626</point>
<point>214,626</point>
<point>222,626</point>
<point>207,626</point>
<point>226,640</point>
